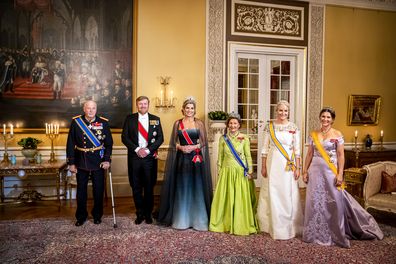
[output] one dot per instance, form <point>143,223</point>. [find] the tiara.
<point>328,108</point>
<point>189,98</point>
<point>234,115</point>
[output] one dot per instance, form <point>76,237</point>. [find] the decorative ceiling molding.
<point>387,5</point>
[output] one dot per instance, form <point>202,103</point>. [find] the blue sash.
<point>235,154</point>
<point>89,134</point>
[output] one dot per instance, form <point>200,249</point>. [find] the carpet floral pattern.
<point>59,241</point>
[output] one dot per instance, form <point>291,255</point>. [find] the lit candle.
<point>382,133</point>
<point>171,97</point>
<point>57,128</point>
<point>162,98</point>
<point>46,128</point>
<point>51,128</point>
<point>4,129</point>
<point>356,133</point>
<point>12,129</point>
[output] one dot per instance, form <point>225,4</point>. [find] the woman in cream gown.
<point>279,211</point>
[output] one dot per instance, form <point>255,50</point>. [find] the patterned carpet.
<point>59,241</point>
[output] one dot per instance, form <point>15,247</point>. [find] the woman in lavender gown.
<point>332,215</point>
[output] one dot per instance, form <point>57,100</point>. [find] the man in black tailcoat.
<point>88,151</point>
<point>142,135</point>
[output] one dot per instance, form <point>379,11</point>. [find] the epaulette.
<point>74,117</point>
<point>101,117</point>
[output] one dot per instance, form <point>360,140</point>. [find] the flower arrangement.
<point>217,115</point>
<point>29,143</point>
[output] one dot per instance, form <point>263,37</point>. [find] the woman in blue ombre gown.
<point>186,193</point>
<point>332,215</point>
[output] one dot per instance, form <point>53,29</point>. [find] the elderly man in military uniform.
<point>89,148</point>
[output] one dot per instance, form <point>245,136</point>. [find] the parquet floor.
<point>50,209</point>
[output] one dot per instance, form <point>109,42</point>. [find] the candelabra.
<point>52,132</point>
<point>6,138</point>
<point>52,136</point>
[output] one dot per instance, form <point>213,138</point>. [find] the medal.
<point>154,133</point>
<point>153,140</point>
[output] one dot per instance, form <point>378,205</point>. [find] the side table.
<point>354,179</point>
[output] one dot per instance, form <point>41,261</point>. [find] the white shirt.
<point>144,120</point>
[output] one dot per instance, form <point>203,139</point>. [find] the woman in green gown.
<point>234,204</point>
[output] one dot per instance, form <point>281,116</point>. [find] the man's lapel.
<point>135,120</point>
<point>150,129</point>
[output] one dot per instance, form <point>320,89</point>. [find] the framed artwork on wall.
<point>57,54</point>
<point>364,110</point>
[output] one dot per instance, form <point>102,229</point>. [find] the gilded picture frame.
<point>58,56</point>
<point>364,110</point>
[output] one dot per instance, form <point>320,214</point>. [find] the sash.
<point>144,134</point>
<point>290,162</point>
<point>197,157</point>
<point>143,131</point>
<point>235,154</point>
<point>326,157</point>
<point>88,132</point>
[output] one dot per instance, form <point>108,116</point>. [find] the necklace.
<point>325,132</point>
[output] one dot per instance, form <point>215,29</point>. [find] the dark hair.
<point>328,110</point>
<point>141,98</point>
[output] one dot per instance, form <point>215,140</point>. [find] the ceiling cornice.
<point>387,5</point>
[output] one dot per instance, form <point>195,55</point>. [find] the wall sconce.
<point>166,99</point>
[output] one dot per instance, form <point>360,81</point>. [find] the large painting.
<point>56,54</point>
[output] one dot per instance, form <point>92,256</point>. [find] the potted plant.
<point>217,115</point>
<point>29,147</point>
<point>217,121</point>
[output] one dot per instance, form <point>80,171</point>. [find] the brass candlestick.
<point>6,138</point>
<point>356,148</point>
<point>381,142</point>
<point>52,136</point>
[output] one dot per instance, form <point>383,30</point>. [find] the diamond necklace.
<point>325,132</point>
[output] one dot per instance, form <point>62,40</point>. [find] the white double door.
<point>259,78</point>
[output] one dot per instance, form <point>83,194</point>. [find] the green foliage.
<point>218,115</point>
<point>29,143</point>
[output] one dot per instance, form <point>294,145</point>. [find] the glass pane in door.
<point>280,84</point>
<point>248,100</point>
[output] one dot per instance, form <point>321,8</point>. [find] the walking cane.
<point>112,198</point>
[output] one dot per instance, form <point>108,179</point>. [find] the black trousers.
<point>97,178</point>
<point>142,174</point>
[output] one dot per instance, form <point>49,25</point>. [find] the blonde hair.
<point>283,102</point>
<point>189,101</point>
